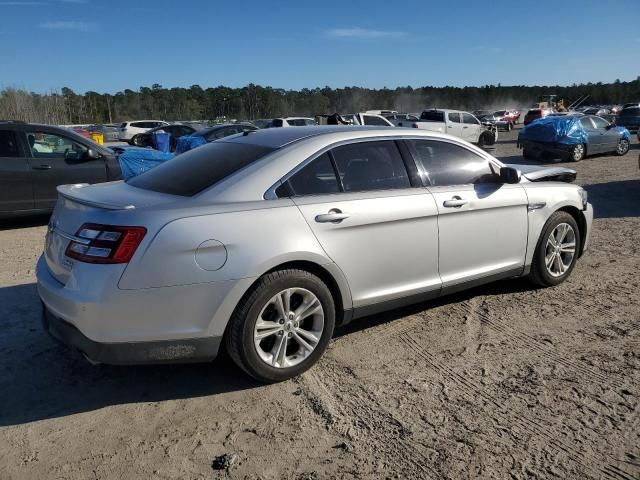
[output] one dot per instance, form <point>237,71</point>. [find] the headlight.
<point>584,196</point>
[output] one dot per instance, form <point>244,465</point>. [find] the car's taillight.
<point>414,125</point>
<point>105,243</point>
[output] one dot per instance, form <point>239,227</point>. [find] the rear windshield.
<point>200,168</point>
<point>432,116</point>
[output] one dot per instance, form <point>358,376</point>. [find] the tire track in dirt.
<point>548,351</point>
<point>362,419</point>
<point>472,391</point>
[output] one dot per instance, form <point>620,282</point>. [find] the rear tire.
<point>556,253</point>
<point>577,153</point>
<point>258,330</point>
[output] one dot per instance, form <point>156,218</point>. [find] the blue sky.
<point>108,46</point>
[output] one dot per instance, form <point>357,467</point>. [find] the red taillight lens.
<point>105,243</point>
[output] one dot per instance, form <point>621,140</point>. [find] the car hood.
<point>534,173</point>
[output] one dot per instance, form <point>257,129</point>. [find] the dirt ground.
<point>504,381</point>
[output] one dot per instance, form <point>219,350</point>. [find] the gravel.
<point>504,381</point>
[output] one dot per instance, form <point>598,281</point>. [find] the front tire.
<point>557,250</point>
<point>623,147</point>
<point>282,326</point>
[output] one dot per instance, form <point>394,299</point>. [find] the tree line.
<point>255,101</point>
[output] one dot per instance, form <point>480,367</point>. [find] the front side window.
<point>316,178</point>
<point>371,166</point>
<point>446,164</point>
<point>49,145</point>
<point>8,144</point>
<point>469,119</point>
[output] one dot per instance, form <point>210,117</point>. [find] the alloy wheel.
<point>560,250</point>
<point>623,147</point>
<point>578,152</point>
<point>289,327</point>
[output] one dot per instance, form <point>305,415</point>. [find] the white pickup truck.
<point>459,124</point>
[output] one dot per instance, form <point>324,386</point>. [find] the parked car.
<point>110,133</point>
<point>596,111</point>
<point>292,122</point>
<point>536,113</point>
<point>261,122</point>
<point>176,131</point>
<point>629,118</point>
<point>128,130</point>
<point>217,132</point>
<point>481,113</point>
<point>401,119</point>
<point>363,118</point>
<point>262,244</point>
<point>81,131</point>
<point>511,116</point>
<point>631,105</point>
<point>459,124</point>
<point>35,159</point>
<point>497,121</point>
<point>573,137</point>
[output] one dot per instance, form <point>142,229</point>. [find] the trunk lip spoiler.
<point>67,191</point>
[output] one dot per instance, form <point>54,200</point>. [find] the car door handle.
<point>455,202</point>
<point>42,167</point>
<point>335,215</point>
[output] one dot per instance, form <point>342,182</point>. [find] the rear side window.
<point>432,116</point>
<point>600,122</point>
<point>139,124</point>
<point>8,144</point>
<point>586,123</point>
<point>200,168</point>
<point>371,166</point>
<point>447,164</point>
<point>316,178</point>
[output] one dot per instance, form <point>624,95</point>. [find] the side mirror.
<point>91,154</point>
<point>509,175</point>
<point>610,126</point>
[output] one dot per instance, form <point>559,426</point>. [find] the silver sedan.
<point>264,242</point>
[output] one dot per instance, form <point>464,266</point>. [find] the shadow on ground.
<point>42,379</point>
<point>615,199</point>
<point>24,222</point>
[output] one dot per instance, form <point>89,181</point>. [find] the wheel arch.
<point>580,220</point>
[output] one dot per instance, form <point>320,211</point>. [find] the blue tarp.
<point>136,160</point>
<point>189,143</point>
<point>162,141</point>
<point>566,130</point>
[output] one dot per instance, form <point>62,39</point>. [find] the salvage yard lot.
<point>498,382</point>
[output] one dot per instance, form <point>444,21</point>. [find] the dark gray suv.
<point>35,159</point>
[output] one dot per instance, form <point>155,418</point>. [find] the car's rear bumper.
<point>131,353</point>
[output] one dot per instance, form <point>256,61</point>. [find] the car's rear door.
<point>609,136</point>
<point>56,159</point>
<point>471,128</point>
<point>594,137</point>
<point>16,189</point>
<point>482,225</point>
<point>372,220</point>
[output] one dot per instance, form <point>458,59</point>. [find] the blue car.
<point>573,137</point>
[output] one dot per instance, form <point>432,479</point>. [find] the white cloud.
<point>358,32</point>
<point>68,25</point>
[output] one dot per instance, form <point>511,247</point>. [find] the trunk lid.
<point>78,204</point>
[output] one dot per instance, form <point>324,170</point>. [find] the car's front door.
<point>378,228</point>
<point>16,190</point>
<point>471,128</point>
<point>56,159</point>
<point>482,225</point>
<point>454,124</point>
